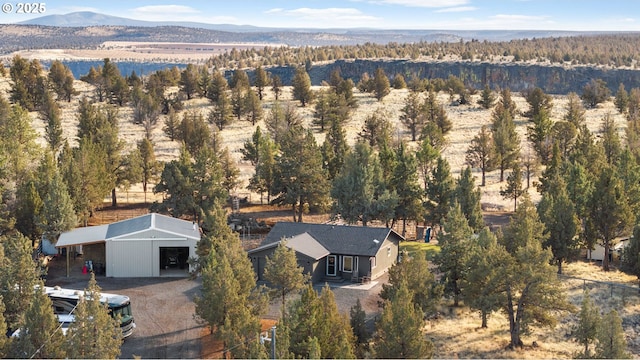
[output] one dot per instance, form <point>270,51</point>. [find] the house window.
<point>347,264</point>
<point>389,251</point>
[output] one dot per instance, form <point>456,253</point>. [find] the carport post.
<point>67,260</point>
<point>273,342</point>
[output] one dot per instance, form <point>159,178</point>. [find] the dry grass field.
<point>457,332</point>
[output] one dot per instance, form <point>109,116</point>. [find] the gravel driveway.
<point>164,310</point>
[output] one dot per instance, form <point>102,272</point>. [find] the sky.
<point>577,15</point>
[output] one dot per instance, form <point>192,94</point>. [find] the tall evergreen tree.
<point>40,333</point>
<point>531,288</point>
<point>301,84</point>
<point>514,189</point>
<point>454,243</point>
<point>610,214</point>
<point>382,87</point>
<point>622,99</point>
<point>480,286</point>
<point>149,166</point>
<point>300,180</point>
<point>415,274</point>
<point>359,192</point>
<point>18,276</point>
<point>440,192</point>
<point>487,98</point>
<point>480,153</point>
<point>52,116</point>
<point>468,197</point>
<point>611,338</point>
<point>505,139</point>
<point>284,275</point>
<point>57,215</point>
<point>574,111</point>
<point>399,329</point>
<point>587,328</point>
<point>94,333</point>
<point>558,214</point>
<point>61,80</point>
<point>412,116</point>
<point>334,149</point>
<point>260,81</point>
<point>405,182</point>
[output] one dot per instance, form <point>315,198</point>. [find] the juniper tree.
<point>514,189</point>
<point>439,194</point>
<point>480,284</point>
<point>611,338</point>
<point>94,333</point>
<point>284,275</point>
<point>468,196</point>
<point>505,139</point>
<point>381,84</point>
<point>531,289</point>
<point>41,335</point>
<point>480,153</point>
<point>399,331</point>
<point>586,330</point>
<point>454,243</point>
<point>301,84</point>
<point>261,80</point>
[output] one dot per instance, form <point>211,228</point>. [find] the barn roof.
<point>336,239</point>
<point>152,221</point>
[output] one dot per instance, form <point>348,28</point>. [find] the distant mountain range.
<point>89,30</point>
<point>87,18</point>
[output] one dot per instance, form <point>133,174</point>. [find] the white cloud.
<point>166,9</point>
<point>175,13</point>
<point>324,18</point>
<point>424,3</point>
<point>457,9</point>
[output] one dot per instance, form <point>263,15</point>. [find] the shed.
<point>150,245</point>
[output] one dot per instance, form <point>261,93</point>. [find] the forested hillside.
<point>373,149</point>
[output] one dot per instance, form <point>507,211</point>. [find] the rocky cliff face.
<point>516,76</point>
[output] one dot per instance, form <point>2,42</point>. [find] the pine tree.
<point>481,153</point>
<point>284,275</point>
<point>381,84</point>
<point>358,323</point>
<point>94,333</point>
<point>57,215</point>
<point>611,338</point>
<point>540,135</point>
<point>440,192</point>
<point>377,129</point>
<point>150,167</point>
<point>480,285</point>
<point>487,98</point>
<point>300,180</point>
<point>405,183</point>
<point>574,110</point>
<point>61,80</point>
<point>468,197</point>
<point>558,214</point>
<point>610,140</point>
<point>454,243</point>
<point>538,102</point>
<point>622,99</point>
<point>301,84</point>
<point>586,330</point>
<point>610,214</point>
<point>18,276</point>
<point>530,286</point>
<point>189,80</point>
<point>630,261</point>
<point>514,189</point>
<point>412,116</point>
<point>334,149</point>
<point>28,208</point>
<point>51,115</point>
<point>230,302</point>
<point>415,273</point>
<point>40,333</point>
<point>5,342</point>
<point>261,80</point>
<point>505,139</point>
<point>399,329</point>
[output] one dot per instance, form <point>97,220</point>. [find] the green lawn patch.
<point>414,248</point>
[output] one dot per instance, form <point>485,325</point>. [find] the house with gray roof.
<point>145,246</point>
<point>332,252</point>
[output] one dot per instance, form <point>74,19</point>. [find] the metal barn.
<point>150,245</point>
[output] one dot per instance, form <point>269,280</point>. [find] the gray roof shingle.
<point>337,239</point>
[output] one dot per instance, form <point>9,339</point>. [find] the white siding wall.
<point>130,258</point>
<point>141,257</point>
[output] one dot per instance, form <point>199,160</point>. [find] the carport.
<point>146,246</point>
